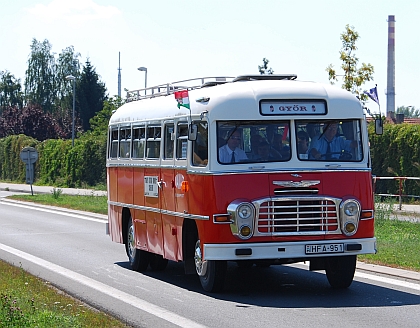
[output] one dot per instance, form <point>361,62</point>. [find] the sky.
<point>182,39</point>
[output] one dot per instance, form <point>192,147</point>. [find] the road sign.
<point>29,155</point>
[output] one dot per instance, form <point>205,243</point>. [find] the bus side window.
<point>139,140</point>
<point>125,141</point>
<point>200,146</point>
<point>182,141</point>
<point>169,141</point>
<point>153,142</point>
<point>114,143</point>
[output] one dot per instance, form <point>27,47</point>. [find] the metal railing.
<point>400,194</point>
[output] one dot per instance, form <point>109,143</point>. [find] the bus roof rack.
<point>191,84</point>
<point>265,77</point>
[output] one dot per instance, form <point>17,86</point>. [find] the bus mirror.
<point>192,132</point>
<point>379,128</point>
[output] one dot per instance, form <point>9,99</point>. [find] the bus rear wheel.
<point>212,273</point>
<point>340,270</point>
<point>138,259</point>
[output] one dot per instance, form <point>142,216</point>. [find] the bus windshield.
<point>329,140</point>
<point>270,141</point>
<point>255,141</point>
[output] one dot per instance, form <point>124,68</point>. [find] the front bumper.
<point>285,250</point>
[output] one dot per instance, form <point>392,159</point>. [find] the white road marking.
<point>386,280</point>
<point>124,297</point>
<point>73,215</point>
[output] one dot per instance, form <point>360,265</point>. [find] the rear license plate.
<point>324,249</point>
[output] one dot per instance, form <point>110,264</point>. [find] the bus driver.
<point>329,145</point>
<point>231,153</point>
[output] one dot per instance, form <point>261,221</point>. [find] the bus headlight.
<point>245,210</point>
<point>242,215</point>
<point>349,216</point>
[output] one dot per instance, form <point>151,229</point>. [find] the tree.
<point>40,86</point>
<point>263,69</point>
<point>31,121</point>
<point>91,94</point>
<point>11,94</point>
<point>353,77</point>
<point>408,111</point>
<point>99,123</point>
<point>67,64</point>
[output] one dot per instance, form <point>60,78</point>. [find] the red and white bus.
<point>258,169</point>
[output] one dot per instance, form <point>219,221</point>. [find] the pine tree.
<point>91,94</point>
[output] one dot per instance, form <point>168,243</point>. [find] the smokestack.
<point>390,90</point>
<point>119,76</point>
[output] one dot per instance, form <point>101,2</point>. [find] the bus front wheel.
<point>340,270</point>
<point>138,259</point>
<point>212,273</point>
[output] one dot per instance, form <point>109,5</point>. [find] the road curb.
<point>396,272</point>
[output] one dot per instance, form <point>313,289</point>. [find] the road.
<point>72,251</point>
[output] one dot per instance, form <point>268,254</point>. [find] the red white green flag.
<point>182,99</point>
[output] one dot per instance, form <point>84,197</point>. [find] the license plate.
<point>324,248</point>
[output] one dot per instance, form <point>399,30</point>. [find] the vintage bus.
<point>258,170</point>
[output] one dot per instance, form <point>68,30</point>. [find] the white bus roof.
<point>238,99</point>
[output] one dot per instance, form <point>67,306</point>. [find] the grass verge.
<point>89,203</point>
<point>26,301</point>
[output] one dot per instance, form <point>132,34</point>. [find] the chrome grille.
<point>279,216</point>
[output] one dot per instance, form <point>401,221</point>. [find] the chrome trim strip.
<point>297,184</point>
<point>161,211</point>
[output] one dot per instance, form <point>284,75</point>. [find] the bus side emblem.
<point>303,183</point>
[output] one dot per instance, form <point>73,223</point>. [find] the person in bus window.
<point>313,131</point>
<point>279,150</point>
<point>255,141</point>
<point>329,145</point>
<point>231,153</point>
<point>303,143</point>
<point>264,152</point>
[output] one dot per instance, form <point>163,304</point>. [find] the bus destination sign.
<point>273,107</point>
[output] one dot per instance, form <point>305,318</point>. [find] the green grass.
<point>397,241</point>
<point>26,301</point>
<point>90,203</point>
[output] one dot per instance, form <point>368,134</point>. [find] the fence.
<point>400,194</point>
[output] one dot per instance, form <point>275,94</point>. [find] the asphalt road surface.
<point>72,251</point>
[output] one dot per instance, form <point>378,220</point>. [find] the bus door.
<point>152,190</point>
<point>139,145</point>
<point>167,194</point>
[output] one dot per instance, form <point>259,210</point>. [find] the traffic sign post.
<point>29,155</point>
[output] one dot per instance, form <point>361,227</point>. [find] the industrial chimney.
<point>390,90</point>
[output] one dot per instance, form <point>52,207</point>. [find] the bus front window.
<point>253,141</point>
<point>329,140</point>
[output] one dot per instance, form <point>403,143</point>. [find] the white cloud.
<point>72,11</point>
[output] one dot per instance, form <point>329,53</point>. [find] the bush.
<point>59,164</point>
<point>396,153</point>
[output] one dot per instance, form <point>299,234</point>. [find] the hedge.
<point>59,163</point>
<point>396,153</point>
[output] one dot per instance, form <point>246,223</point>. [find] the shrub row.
<point>396,153</point>
<point>59,163</point>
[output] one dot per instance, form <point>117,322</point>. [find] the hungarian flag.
<point>182,99</point>
<point>373,94</point>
